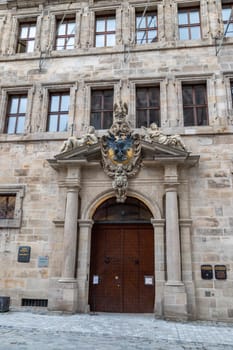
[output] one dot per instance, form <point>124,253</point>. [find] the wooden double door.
<point>122,268</point>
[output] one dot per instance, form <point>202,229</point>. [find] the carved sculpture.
<point>153,134</point>
<point>120,184</point>
<point>90,138</point>
<point>121,152</point>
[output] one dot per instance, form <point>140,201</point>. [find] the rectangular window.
<point>227,20</point>
<point>102,108</point>
<point>7,206</point>
<point>147,106</point>
<point>189,24</point>
<point>27,35</point>
<point>58,111</point>
<point>16,113</point>
<point>231,85</point>
<point>65,34</point>
<point>195,105</point>
<point>105,31</point>
<point>146,28</point>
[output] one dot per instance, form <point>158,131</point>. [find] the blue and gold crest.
<point>121,152</point>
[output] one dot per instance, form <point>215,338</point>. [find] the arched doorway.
<point>122,258</point>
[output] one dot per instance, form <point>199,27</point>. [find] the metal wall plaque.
<point>43,261</point>
<point>149,280</point>
<point>95,279</point>
<point>24,253</point>
<point>206,272</point>
<point>220,272</point>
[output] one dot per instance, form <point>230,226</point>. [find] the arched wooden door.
<point>122,263</point>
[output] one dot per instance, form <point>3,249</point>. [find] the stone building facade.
<point>64,65</point>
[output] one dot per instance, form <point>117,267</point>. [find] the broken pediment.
<point>121,151</point>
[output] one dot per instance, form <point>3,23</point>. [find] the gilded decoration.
<point>121,152</point>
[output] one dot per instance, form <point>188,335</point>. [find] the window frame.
<point>105,33</point>
<point>19,192</point>
<point>194,106</point>
<point>226,6</point>
<point>17,115</point>
<point>13,38</point>
<point>66,21</point>
<point>146,29</point>
<point>148,108</point>
<point>59,112</point>
<point>102,111</point>
<point>28,25</point>
<point>189,25</point>
<point>7,206</point>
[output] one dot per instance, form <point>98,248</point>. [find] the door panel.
<point>121,257</point>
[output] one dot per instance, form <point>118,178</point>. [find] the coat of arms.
<point>121,150</point>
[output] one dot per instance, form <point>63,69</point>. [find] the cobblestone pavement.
<point>33,331</point>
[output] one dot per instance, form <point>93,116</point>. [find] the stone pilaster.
<point>67,284</point>
<point>186,262</point>
<point>159,250</point>
<point>85,227</point>
<point>175,298</point>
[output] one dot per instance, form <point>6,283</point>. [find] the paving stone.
<point>32,331</point>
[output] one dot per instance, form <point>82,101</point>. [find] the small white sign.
<point>148,280</point>
<point>95,279</point>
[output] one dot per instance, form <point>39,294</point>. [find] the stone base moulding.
<point>63,295</point>
<point>175,301</point>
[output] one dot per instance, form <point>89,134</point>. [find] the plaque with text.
<point>24,253</point>
<point>206,272</point>
<point>220,272</point>
<point>43,261</point>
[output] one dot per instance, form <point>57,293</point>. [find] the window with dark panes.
<point>102,108</point>
<point>189,24</point>
<point>7,206</point>
<point>226,16</point>
<point>232,93</point>
<point>27,35</point>
<point>147,106</point>
<point>146,28</point>
<point>195,105</point>
<point>65,34</point>
<point>105,31</point>
<point>16,113</point>
<point>58,111</point>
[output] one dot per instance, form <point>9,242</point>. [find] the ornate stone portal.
<point>121,152</point>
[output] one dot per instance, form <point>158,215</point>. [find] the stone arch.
<point>92,206</point>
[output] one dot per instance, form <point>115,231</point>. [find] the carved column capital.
<point>171,174</point>
<point>73,178</point>
<point>158,222</point>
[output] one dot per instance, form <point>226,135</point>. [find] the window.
<point>11,198</point>
<point>16,112</point>
<point>105,31</point>
<point>27,34</point>
<point>58,111</point>
<point>7,206</point>
<point>226,16</point>
<point>195,105</point>
<point>102,108</point>
<point>232,93</point>
<point>65,34</point>
<point>147,106</point>
<point>189,24</point>
<point>146,28</point>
